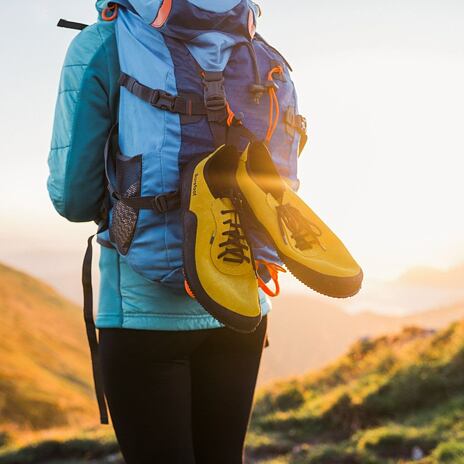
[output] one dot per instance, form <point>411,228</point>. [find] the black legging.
<point>181,397</point>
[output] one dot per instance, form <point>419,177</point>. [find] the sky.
<point>379,81</point>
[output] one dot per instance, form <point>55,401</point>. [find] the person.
<point>179,385</point>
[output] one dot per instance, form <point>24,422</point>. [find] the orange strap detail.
<point>273,270</point>
<point>110,12</point>
<point>272,129</point>
<point>273,104</point>
<point>188,289</point>
<point>271,115</point>
<point>163,14</point>
<point>230,115</point>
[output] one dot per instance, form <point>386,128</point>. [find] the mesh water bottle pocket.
<point>124,217</point>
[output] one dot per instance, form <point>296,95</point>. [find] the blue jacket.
<point>85,111</point>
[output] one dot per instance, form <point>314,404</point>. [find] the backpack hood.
<point>209,28</point>
<point>150,10</point>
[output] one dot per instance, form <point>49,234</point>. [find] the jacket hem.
<point>158,322</point>
<point>168,322</point>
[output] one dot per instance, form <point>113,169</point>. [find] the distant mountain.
<point>44,366</point>
<point>396,398</point>
<point>452,278</point>
<point>306,333</point>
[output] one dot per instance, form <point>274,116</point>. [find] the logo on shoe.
<point>194,189</point>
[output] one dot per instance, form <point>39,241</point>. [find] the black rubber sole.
<point>335,287</point>
<point>190,225</point>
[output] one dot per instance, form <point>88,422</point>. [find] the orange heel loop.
<point>273,270</point>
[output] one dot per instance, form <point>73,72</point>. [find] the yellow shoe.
<point>309,249</point>
<point>218,264</point>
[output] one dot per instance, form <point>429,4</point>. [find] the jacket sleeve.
<point>84,113</point>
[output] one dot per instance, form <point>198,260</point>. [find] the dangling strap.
<point>92,331</point>
<point>71,25</point>
<point>302,144</point>
<point>273,270</point>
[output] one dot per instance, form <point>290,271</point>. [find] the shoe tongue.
<point>220,172</point>
<point>262,169</point>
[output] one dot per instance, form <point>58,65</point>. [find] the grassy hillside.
<point>44,365</point>
<point>389,399</point>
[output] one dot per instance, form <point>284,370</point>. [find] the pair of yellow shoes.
<point>219,267</point>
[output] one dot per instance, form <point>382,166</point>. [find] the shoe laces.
<point>305,233</point>
<point>235,244</point>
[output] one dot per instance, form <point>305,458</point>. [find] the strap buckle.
<point>215,95</point>
<point>160,203</point>
<point>163,100</point>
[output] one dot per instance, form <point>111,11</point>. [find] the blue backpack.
<point>194,76</point>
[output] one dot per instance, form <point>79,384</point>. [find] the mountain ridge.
<point>452,277</point>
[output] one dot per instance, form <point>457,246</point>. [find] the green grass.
<point>58,449</point>
<point>386,398</point>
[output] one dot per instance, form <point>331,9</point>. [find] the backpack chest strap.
<point>189,105</point>
<point>225,127</point>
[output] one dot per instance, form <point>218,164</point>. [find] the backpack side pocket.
<point>124,217</point>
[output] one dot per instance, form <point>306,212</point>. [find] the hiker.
<point>159,104</point>
<point>179,385</point>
